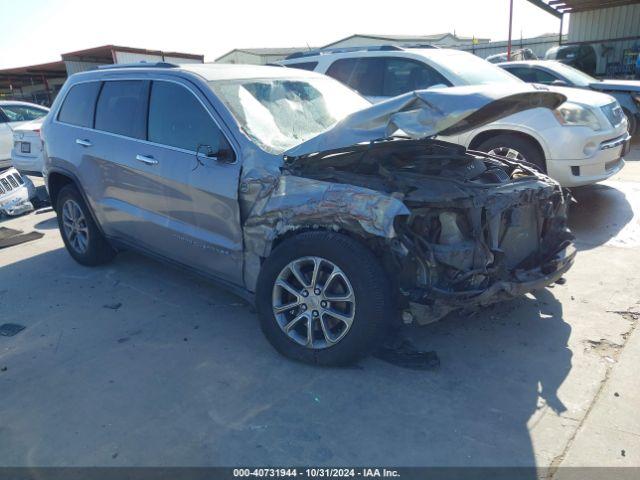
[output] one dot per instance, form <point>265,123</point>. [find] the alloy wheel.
<point>313,302</point>
<point>510,153</point>
<point>75,226</point>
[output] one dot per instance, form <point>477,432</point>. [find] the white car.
<point>582,142</point>
<point>26,155</point>
<point>12,115</point>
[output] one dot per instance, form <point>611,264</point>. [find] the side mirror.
<point>206,154</point>
<point>559,83</point>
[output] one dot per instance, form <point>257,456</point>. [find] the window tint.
<point>532,75</point>
<point>22,113</point>
<point>79,104</point>
<point>402,75</point>
<point>178,119</point>
<point>523,73</point>
<point>303,66</point>
<point>365,75</point>
<point>122,108</point>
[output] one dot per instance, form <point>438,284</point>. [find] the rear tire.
<point>84,241</point>
<point>632,125</point>
<point>354,268</point>
<point>526,149</point>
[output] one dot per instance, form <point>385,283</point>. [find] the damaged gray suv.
<point>335,217</point>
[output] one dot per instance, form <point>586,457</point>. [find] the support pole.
<point>561,27</point>
<point>510,28</point>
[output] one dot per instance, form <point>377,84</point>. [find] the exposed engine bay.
<point>480,228</point>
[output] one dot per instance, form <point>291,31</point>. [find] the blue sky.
<point>37,31</point>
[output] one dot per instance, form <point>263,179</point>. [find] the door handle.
<point>84,143</point>
<point>148,159</point>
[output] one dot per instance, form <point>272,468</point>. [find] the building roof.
<point>281,51</point>
<point>20,76</point>
<point>105,52</point>
<point>560,7</point>
<point>408,38</point>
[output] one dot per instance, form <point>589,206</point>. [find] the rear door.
<point>379,78</point>
<point>188,199</point>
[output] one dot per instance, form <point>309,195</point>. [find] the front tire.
<point>84,241</point>
<point>323,298</point>
<point>514,148</point>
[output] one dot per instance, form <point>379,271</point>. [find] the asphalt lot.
<point>137,363</point>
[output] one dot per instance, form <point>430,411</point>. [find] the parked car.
<point>12,115</point>
<point>549,72</point>
<point>583,57</point>
<point>26,155</point>
<point>15,192</point>
<point>520,54</point>
<point>580,143</point>
<point>333,215</point>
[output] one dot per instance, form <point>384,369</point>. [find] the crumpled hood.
<point>426,113</point>
<point>618,85</point>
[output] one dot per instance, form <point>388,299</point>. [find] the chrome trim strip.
<point>616,142</point>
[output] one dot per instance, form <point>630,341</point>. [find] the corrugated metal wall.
<point>608,23</point>
<point>128,57</point>
<point>603,27</point>
<point>75,66</point>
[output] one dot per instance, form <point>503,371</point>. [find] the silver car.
<point>335,217</point>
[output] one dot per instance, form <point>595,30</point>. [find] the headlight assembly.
<point>574,115</point>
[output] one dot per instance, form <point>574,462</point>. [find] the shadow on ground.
<point>136,363</point>
<point>600,214</point>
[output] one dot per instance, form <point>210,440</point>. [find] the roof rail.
<point>116,66</point>
<point>325,51</point>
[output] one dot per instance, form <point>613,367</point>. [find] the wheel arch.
<point>485,135</point>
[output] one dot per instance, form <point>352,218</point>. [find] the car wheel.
<point>81,236</point>
<point>632,123</point>
<point>514,148</point>
<point>324,298</point>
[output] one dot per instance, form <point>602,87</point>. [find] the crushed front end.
<point>480,229</point>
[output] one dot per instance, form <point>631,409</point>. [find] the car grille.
<point>10,182</point>
<point>614,113</point>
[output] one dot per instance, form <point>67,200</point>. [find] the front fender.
<point>299,203</point>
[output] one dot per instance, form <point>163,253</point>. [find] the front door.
<point>198,222</point>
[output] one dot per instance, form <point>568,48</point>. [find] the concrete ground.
<point>137,363</point>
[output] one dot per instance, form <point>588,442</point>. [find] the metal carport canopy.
<point>559,7</point>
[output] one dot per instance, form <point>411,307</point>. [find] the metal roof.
<point>560,7</point>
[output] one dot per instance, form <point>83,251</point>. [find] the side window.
<point>22,113</point>
<point>303,66</point>
<point>523,73</point>
<point>178,119</point>
<point>122,108</point>
<point>544,77</point>
<point>79,104</point>
<point>402,75</point>
<point>365,75</point>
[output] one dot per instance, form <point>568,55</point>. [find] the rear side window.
<point>122,108</point>
<point>364,75</point>
<point>402,75</point>
<point>22,113</point>
<point>303,66</point>
<point>79,104</point>
<point>178,119</point>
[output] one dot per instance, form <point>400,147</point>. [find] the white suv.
<point>581,142</point>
